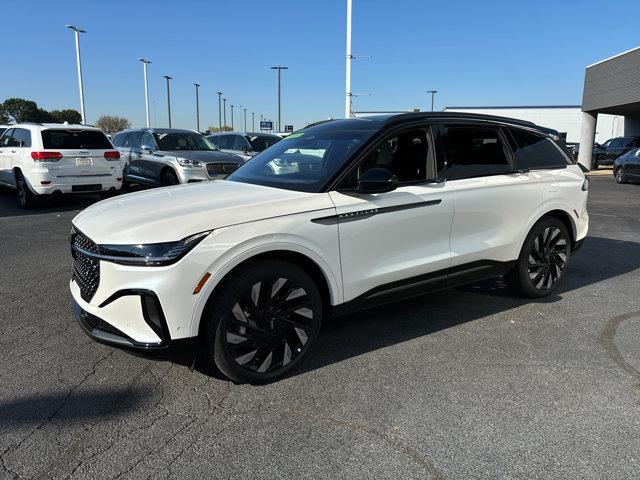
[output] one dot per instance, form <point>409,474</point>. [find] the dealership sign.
<point>264,125</point>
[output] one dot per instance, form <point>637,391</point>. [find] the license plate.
<point>83,162</point>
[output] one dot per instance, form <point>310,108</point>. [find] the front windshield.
<point>183,141</point>
<point>303,161</point>
<point>262,142</point>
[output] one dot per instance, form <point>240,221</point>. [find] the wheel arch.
<point>321,275</point>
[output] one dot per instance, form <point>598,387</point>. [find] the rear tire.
<point>594,165</point>
<point>168,177</point>
<point>26,197</point>
<point>542,261</point>
<point>263,321</point>
<point>620,176</point>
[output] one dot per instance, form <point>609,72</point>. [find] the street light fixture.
<point>146,89</point>
<point>219,112</point>
<point>224,111</point>
<point>279,69</point>
<point>168,98</point>
<point>433,95</point>
<point>197,108</point>
<point>78,31</point>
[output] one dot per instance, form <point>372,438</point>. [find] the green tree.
<point>67,115</point>
<point>112,123</point>
<point>20,110</point>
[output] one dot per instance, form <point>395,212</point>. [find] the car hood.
<point>172,213</point>
<point>204,156</point>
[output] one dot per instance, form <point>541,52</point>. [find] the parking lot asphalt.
<point>464,383</point>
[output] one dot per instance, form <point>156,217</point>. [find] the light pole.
<point>279,69</point>
<point>231,117</point>
<point>245,119</point>
<point>219,112</point>
<point>168,98</point>
<point>78,31</point>
<point>347,100</point>
<point>197,108</point>
<point>146,89</point>
<point>433,96</point>
<point>224,111</point>
<point>253,121</point>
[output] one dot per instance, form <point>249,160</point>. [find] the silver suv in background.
<point>168,156</point>
<point>244,144</point>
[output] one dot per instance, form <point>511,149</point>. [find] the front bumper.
<point>150,311</point>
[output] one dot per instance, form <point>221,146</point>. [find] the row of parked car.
<point>40,159</point>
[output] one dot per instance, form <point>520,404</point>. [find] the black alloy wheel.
<point>620,176</point>
<point>543,259</point>
<point>547,258</point>
<point>168,177</point>
<point>268,315</point>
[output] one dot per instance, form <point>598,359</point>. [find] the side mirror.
<point>146,148</point>
<point>377,180</point>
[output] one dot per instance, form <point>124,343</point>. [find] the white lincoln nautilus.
<point>339,216</point>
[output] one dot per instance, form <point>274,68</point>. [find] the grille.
<point>221,168</point>
<point>86,270</point>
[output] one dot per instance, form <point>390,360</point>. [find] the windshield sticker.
<point>293,135</point>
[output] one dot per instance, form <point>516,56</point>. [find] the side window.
<point>241,143</point>
<point>616,142</point>
<point>119,140</point>
<point>405,154</point>
<point>225,142</point>
<point>215,139</point>
<point>536,151</point>
<point>134,139</point>
<point>474,152</point>
<point>7,140</point>
<point>149,141</point>
<point>22,137</point>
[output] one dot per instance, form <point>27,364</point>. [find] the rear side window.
<point>22,137</point>
<point>134,139</point>
<point>474,152</point>
<point>241,143</point>
<point>119,140</point>
<point>225,142</point>
<point>7,140</point>
<point>74,139</point>
<point>535,151</point>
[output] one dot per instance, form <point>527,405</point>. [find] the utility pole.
<point>224,111</point>
<point>279,69</point>
<point>78,31</point>
<point>347,100</point>
<point>168,98</point>
<point>219,112</point>
<point>197,108</point>
<point>253,121</point>
<point>232,117</point>
<point>433,95</point>
<point>146,89</point>
<point>245,119</point>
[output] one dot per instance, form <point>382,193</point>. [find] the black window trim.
<point>506,146</point>
<point>377,140</point>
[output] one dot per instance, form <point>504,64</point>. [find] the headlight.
<point>150,254</point>
<point>186,162</point>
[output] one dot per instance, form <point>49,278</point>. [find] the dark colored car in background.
<point>626,168</point>
<point>612,149</point>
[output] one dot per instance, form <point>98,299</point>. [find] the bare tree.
<point>112,123</point>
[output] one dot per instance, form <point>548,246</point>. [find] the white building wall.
<point>563,119</point>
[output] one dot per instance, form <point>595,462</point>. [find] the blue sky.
<point>489,52</point>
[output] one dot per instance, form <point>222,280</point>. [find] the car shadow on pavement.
<point>9,206</point>
<point>65,407</point>
<point>345,337</point>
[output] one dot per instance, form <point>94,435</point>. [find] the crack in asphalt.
<point>608,340</point>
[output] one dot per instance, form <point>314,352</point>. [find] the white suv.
<point>39,159</point>
<point>367,211</point>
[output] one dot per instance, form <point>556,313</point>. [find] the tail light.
<point>112,155</point>
<point>46,156</point>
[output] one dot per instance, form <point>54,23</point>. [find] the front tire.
<point>168,177</point>
<point>542,261</point>
<point>26,197</point>
<point>620,176</point>
<point>263,321</point>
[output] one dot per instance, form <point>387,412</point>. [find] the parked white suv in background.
<point>366,211</point>
<point>40,159</point>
